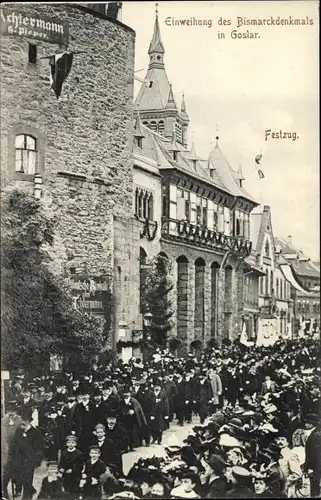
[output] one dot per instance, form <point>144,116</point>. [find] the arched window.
<point>153,126</point>
<point>26,154</point>
<point>161,127</point>
<point>150,207</point>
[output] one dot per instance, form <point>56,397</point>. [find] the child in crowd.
<point>51,487</point>
<point>91,483</point>
<point>70,466</point>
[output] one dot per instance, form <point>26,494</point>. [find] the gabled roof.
<point>226,174</point>
<point>306,268</point>
<point>160,149</point>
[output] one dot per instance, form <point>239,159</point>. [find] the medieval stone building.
<point>75,152</point>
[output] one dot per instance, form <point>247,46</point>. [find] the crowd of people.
<point>253,416</point>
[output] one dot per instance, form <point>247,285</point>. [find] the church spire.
<point>170,101</point>
<point>156,48</point>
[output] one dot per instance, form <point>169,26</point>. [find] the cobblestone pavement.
<point>175,435</point>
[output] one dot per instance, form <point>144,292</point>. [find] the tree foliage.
<point>37,315</point>
<point>156,298</point>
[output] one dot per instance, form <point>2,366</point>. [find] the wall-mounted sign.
<point>89,294</point>
<point>35,26</point>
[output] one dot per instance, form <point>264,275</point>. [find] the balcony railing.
<point>195,234</point>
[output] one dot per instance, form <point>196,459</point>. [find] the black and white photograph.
<point>160,250</point>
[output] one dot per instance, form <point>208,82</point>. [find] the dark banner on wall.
<point>89,294</point>
<point>35,26</point>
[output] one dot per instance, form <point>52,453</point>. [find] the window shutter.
<point>226,221</point>
<point>193,208</point>
<point>173,210</point>
<point>181,209</point>
<point>172,192</point>
<point>210,214</point>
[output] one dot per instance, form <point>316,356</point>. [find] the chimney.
<point>290,240</point>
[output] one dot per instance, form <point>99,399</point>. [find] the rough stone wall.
<point>86,133</point>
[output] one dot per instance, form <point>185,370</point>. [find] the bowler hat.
<point>217,463</point>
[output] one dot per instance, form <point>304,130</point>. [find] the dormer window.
<point>175,155</point>
<point>267,248</point>
<point>140,142</point>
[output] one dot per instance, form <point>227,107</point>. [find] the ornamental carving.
<point>200,235</point>
<point>149,230</point>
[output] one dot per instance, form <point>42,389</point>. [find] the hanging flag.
<point>257,165</point>
<point>243,339</point>
<point>60,69</point>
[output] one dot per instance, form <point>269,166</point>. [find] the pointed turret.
<point>171,101</point>
<point>192,156</point>
<point>184,114</point>
<point>156,49</point>
<point>138,132</point>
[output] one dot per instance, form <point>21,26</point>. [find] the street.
<point>174,436</point>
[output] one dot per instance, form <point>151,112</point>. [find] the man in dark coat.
<point>132,417</point>
<point>171,391</point>
<point>25,455</point>
<point>159,412</point>
<point>144,397</point>
<point>98,408</point>
<point>180,398</point>
<point>110,399</point>
<point>203,395</point>
<point>83,422</point>
<point>313,452</point>
<point>118,441</point>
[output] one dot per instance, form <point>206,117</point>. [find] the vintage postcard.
<point>160,290</point>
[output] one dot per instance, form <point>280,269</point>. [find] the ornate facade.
<point>200,214</point>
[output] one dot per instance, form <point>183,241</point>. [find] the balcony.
<point>186,232</point>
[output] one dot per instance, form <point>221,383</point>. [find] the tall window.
<point>267,248</point>
<point>26,154</point>
<point>144,204</point>
<point>277,288</point>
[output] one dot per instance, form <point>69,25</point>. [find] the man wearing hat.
<point>117,439</point>
<point>216,485</point>
<point>180,397</point>
<point>171,391</point>
<point>203,395</point>
<point>313,452</point>
<point>132,417</point>
<point>110,399</point>
<point>159,412</point>
<point>25,455</point>
<point>241,480</point>
<point>144,396</point>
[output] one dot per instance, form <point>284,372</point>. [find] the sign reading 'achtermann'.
<point>35,26</point>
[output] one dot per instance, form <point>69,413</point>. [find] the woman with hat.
<point>271,456</point>
<point>260,484</point>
